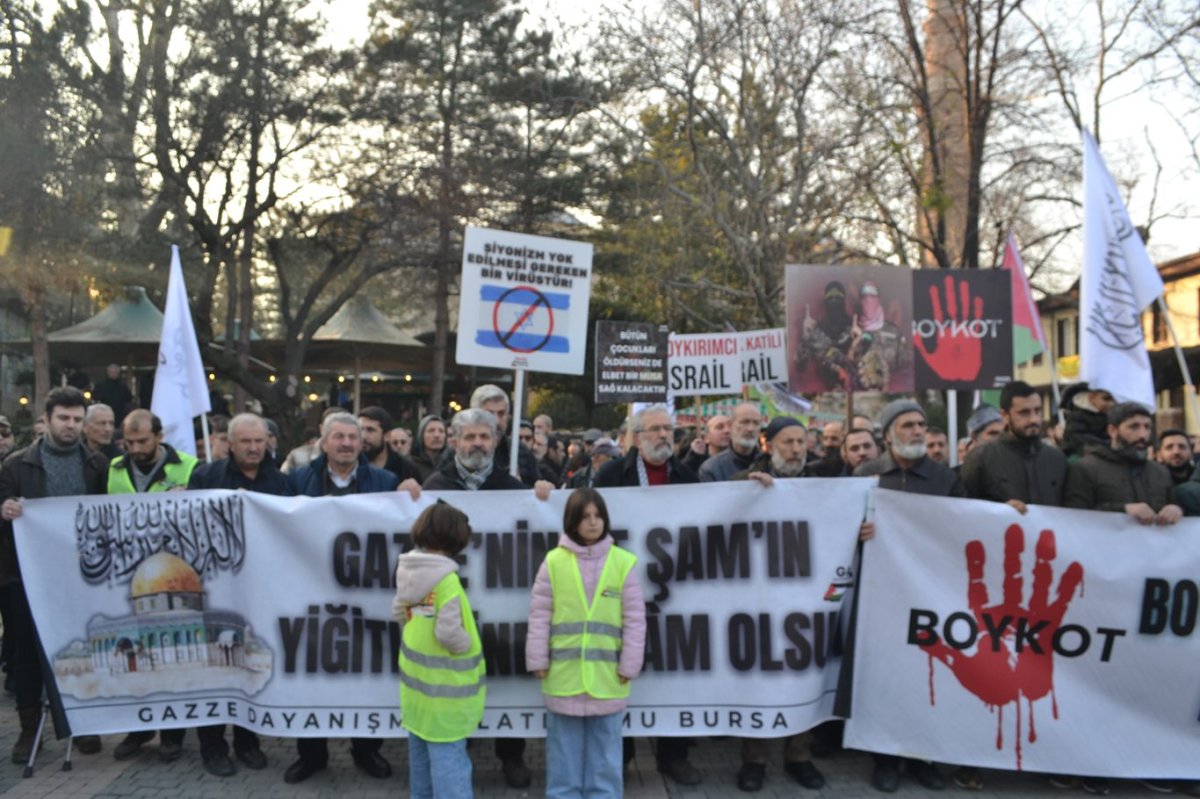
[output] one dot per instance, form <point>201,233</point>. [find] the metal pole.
<point>952,423</point>
<point>515,444</point>
<point>357,383</point>
<point>204,430</point>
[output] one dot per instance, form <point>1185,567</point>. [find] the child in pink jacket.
<point>586,641</point>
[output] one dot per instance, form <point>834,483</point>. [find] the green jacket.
<point>174,472</point>
<point>1107,479</point>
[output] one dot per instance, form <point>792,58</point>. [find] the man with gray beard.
<point>475,433</point>
<point>904,467</point>
<point>743,446</point>
<point>786,457</point>
<point>651,461</point>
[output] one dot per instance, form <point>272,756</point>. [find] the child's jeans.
<point>448,761</point>
<point>583,756</point>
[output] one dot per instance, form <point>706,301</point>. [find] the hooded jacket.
<point>417,574</point>
<point>426,463</point>
<point>591,561</point>
<point>1085,425</point>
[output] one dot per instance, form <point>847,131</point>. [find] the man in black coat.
<point>652,462</point>
<point>339,470</point>
<point>57,465</point>
<point>248,467</point>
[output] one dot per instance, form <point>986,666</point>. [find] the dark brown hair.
<point>573,514</point>
<point>442,528</point>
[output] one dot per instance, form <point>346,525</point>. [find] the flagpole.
<point>1183,367</point>
<point>952,423</point>
<point>207,445</point>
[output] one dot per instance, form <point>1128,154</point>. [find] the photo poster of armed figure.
<point>962,329</point>
<point>849,328</point>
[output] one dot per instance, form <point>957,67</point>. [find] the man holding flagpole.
<point>180,387</point>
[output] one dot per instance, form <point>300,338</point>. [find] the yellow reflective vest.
<point>175,473</point>
<point>585,641</point>
<point>441,694</point>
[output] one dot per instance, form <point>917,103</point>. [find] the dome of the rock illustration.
<point>162,573</point>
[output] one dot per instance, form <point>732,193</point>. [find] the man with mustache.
<point>339,470</point>
<point>1120,477</point>
<point>651,461</point>
<point>149,465</point>
<point>55,465</point>
<point>743,446</point>
<point>904,466</point>
<point>1016,467</point>
<point>475,433</point>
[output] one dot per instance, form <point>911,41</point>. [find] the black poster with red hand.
<point>962,329</point>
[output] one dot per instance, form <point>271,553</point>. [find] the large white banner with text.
<point>1059,641</point>
<point>191,608</point>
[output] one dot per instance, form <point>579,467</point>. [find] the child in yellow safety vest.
<point>586,641</point>
<point>441,657</point>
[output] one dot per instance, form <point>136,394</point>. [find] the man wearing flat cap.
<point>984,425</point>
<point>786,456</point>
<point>906,467</point>
<point>1120,477</point>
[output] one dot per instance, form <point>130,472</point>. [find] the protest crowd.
<point>1106,457</point>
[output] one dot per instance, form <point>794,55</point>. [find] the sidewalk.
<point>99,775</point>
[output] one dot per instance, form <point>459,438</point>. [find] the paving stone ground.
<point>717,758</point>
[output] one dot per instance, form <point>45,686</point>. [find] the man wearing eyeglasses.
<point>651,461</point>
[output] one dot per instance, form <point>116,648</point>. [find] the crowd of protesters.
<point>1106,457</point>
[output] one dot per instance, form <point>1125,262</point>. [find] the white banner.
<point>189,608</point>
<point>523,302</point>
<point>977,643</point>
<point>721,363</point>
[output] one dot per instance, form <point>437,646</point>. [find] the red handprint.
<point>959,351</point>
<point>1013,658</point>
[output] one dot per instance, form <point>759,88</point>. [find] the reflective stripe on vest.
<point>174,475</point>
<point>441,693</point>
<point>585,641</point>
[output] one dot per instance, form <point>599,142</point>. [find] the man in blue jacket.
<point>340,469</point>
<point>249,468</point>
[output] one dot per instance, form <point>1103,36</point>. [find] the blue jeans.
<point>583,756</point>
<point>438,771</point>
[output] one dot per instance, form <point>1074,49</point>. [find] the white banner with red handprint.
<point>977,643</point>
<point>962,329</point>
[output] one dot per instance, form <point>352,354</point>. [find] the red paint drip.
<point>1032,724</point>
<point>1000,729</point>
<point>932,700</point>
<point>1018,736</point>
<point>1054,703</point>
<point>1082,585</point>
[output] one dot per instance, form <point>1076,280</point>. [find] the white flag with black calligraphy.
<point>180,390</point>
<point>1117,283</point>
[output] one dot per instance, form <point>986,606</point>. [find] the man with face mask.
<point>1120,477</point>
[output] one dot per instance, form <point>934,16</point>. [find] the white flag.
<point>1117,283</point>
<point>180,387</point>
